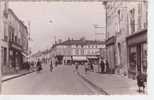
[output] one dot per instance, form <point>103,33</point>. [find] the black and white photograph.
<point>74,47</point>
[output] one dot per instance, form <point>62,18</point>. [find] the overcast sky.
<point>69,19</point>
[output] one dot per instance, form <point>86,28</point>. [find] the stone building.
<point>79,51</point>
<point>14,47</point>
<point>123,20</point>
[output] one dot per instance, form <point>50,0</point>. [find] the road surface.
<point>62,80</point>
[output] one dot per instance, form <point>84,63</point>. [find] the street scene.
<point>95,47</point>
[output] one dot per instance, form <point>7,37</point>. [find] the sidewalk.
<point>112,84</point>
<point>15,75</point>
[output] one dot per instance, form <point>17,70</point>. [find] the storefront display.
<point>137,53</point>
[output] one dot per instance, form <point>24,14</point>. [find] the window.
<point>82,51</point>
<point>118,24</point>
<point>132,20</point>
<point>77,52</point>
<point>4,56</point>
<point>11,33</point>
<point>5,32</point>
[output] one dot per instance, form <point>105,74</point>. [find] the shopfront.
<point>15,56</point>
<point>93,58</point>
<point>67,59</point>
<point>137,53</point>
<point>79,59</point>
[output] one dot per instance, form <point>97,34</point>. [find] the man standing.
<point>39,66</point>
<point>102,66</point>
<point>140,81</point>
<point>76,66</point>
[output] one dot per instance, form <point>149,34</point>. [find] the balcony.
<point>15,44</point>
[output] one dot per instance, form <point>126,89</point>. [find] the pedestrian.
<point>39,65</point>
<point>102,66</point>
<point>51,66</point>
<point>86,67</point>
<point>28,66</point>
<point>140,81</point>
<point>32,65</point>
<point>107,65</point>
<point>76,66</point>
<point>91,66</point>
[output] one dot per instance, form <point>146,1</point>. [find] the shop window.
<point>144,58</point>
<point>4,56</point>
<point>133,58</point>
<point>132,20</point>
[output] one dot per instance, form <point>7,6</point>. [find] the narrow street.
<point>61,81</point>
<point>100,47</point>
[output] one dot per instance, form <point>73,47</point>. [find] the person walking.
<point>86,67</point>
<point>140,81</point>
<point>28,66</point>
<point>51,66</point>
<point>91,66</point>
<point>39,65</point>
<point>76,66</point>
<point>107,65</point>
<point>102,66</point>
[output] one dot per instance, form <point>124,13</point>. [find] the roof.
<point>81,42</point>
<point>11,11</point>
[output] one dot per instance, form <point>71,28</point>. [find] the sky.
<point>60,20</point>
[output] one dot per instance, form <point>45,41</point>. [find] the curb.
<point>16,76</point>
<point>93,85</point>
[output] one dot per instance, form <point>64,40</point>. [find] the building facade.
<point>4,36</point>
<point>123,20</point>
<point>71,51</point>
<point>15,42</point>
<point>137,39</point>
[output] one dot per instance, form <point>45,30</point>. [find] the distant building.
<point>79,51</point>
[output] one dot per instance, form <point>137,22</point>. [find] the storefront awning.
<point>79,58</point>
<point>24,54</point>
<point>67,58</point>
<point>92,57</point>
